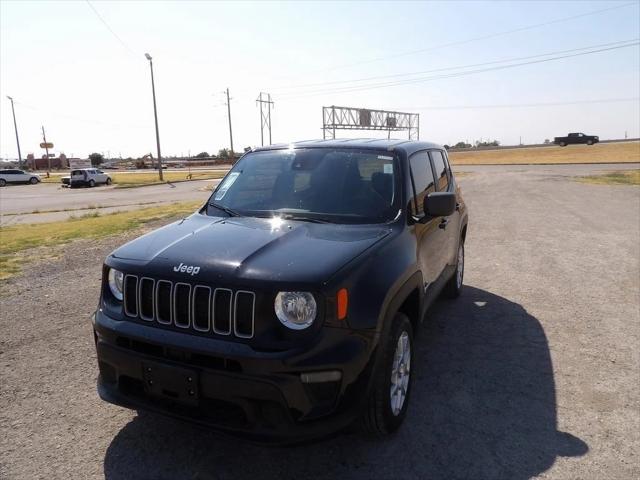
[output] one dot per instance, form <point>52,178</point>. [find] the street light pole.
<point>155,114</point>
<point>46,149</point>
<point>15,125</point>
<point>230,131</point>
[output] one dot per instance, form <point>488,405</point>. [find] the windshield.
<point>321,184</point>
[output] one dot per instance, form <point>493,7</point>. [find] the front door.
<point>430,238</point>
<point>451,224</point>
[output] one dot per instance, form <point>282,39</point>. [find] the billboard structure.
<point>349,118</point>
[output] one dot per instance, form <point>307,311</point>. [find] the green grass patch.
<point>15,240</point>
<point>625,177</point>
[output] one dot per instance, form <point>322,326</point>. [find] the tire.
<point>562,144</point>
<point>92,183</point>
<point>454,286</point>
<point>33,180</point>
<point>382,416</point>
<point>3,182</point>
<point>590,142</point>
<point>108,180</point>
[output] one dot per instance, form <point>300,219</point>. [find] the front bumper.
<point>236,388</point>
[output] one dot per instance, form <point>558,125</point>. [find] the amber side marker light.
<point>343,303</point>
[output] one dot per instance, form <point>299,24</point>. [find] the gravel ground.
<point>533,372</point>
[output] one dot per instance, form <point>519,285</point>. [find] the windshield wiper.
<point>302,218</point>
<point>228,211</point>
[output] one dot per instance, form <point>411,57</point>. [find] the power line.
<point>52,113</point>
<point>474,39</point>
<point>396,75</point>
<point>350,89</point>
<point>110,29</point>
<point>523,105</point>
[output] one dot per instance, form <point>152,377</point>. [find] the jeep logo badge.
<point>192,269</point>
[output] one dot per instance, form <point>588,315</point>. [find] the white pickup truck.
<point>17,176</point>
<point>89,177</point>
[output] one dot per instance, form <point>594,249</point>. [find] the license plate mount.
<point>171,383</point>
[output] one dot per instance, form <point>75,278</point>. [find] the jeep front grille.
<point>192,307</point>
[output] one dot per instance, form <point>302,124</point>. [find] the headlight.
<point>116,279</point>
<point>295,310</point>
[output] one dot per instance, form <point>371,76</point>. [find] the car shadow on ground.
<point>483,406</point>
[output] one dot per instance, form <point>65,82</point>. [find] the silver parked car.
<point>17,176</point>
<point>89,177</point>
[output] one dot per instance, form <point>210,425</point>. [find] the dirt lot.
<point>599,153</point>
<point>533,372</point>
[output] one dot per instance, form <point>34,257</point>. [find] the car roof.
<point>406,146</point>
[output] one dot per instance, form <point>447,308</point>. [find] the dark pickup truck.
<point>576,138</point>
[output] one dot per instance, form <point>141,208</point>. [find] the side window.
<point>440,168</point>
<point>422,179</point>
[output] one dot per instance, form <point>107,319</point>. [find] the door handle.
<point>443,223</point>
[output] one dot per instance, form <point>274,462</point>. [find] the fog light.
<point>320,377</point>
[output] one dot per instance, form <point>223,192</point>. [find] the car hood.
<point>239,249</point>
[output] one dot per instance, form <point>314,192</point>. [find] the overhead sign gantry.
<point>349,118</point>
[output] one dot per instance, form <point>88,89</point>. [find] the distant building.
<point>57,163</point>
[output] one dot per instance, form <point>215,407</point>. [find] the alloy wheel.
<point>400,373</point>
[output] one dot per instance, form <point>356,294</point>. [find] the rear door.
<point>451,224</point>
<point>78,175</point>
<point>430,239</point>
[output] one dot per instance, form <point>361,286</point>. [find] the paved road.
<point>17,202</point>
<point>567,171</point>
<point>24,199</point>
<point>533,372</point>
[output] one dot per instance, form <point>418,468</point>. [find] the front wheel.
<point>108,180</point>
<point>3,182</point>
<point>590,142</point>
<point>33,180</point>
<point>389,398</point>
<point>562,144</point>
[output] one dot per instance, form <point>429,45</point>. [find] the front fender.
<point>381,282</point>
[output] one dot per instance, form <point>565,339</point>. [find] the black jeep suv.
<point>286,307</point>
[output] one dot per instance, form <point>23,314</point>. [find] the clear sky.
<point>88,82</point>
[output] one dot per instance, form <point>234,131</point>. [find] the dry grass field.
<point>623,152</point>
<point>16,241</point>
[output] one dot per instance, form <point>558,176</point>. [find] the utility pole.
<point>15,126</point>
<point>265,117</point>
<point>46,149</point>
<point>155,114</point>
<point>230,131</point>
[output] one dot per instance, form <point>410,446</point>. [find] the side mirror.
<point>440,204</point>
